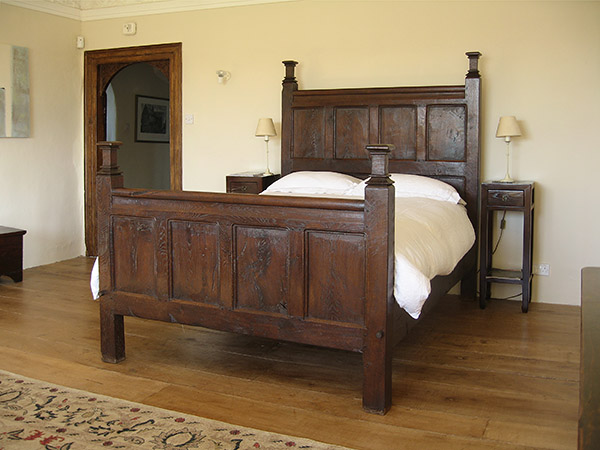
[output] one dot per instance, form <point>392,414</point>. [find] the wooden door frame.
<point>100,66</point>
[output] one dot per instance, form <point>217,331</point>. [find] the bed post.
<point>289,86</point>
<point>468,285</point>
<point>379,230</point>
<point>112,333</point>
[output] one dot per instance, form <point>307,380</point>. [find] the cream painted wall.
<point>541,62</point>
<point>41,177</point>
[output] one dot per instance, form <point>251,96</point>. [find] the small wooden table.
<point>11,253</point>
<point>498,196</point>
<point>249,182</point>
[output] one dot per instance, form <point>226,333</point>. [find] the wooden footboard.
<point>307,270</point>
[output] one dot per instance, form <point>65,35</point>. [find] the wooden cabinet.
<point>11,253</point>
<point>249,183</point>
<point>496,196</point>
<point>589,375</point>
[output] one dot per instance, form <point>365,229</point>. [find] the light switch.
<point>188,119</point>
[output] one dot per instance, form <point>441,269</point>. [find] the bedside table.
<point>11,253</point>
<point>249,182</point>
<point>497,196</point>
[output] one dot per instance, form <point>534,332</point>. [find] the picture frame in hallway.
<point>151,119</point>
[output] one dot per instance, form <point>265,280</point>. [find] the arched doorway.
<point>137,100</point>
<point>100,66</point>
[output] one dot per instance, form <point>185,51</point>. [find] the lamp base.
<point>268,173</point>
<point>506,179</point>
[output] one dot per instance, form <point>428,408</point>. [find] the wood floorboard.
<point>464,378</point>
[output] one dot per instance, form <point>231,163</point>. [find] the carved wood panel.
<point>309,133</point>
<point>336,276</point>
<point>398,126</point>
<point>446,135</point>
<point>261,275</point>
<point>351,132</point>
<point>195,261</point>
<point>134,255</point>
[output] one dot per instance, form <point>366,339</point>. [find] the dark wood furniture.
<point>497,196</point>
<point>249,183</point>
<point>589,382</point>
<point>277,266</point>
<point>11,253</point>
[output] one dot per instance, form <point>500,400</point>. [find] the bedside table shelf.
<point>505,276</point>
<point>497,196</point>
<point>249,183</point>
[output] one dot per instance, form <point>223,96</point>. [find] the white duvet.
<point>431,236</point>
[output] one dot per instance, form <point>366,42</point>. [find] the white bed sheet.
<point>431,237</point>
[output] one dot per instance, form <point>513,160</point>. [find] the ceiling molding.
<point>138,9</point>
<point>46,7</point>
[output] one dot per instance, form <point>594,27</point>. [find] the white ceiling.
<point>106,9</point>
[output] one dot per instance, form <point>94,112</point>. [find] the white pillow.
<point>308,182</point>
<point>415,186</point>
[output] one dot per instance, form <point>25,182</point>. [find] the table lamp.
<point>508,128</point>
<point>265,129</point>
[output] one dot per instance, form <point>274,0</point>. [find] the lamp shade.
<point>265,127</point>
<point>508,126</point>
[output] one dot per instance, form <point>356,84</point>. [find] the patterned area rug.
<point>39,415</point>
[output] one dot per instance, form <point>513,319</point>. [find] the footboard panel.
<point>252,264</point>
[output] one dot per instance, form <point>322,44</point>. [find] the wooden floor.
<point>463,379</point>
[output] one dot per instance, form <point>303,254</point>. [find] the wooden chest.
<point>11,253</point>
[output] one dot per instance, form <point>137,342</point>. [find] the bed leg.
<point>377,378</point>
<point>112,335</point>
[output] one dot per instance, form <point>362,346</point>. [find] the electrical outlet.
<point>542,269</point>
<point>129,28</point>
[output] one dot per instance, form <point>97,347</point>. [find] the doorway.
<point>100,68</point>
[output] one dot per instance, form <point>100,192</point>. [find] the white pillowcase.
<point>309,182</point>
<point>415,186</point>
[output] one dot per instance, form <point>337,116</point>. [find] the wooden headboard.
<point>435,130</point>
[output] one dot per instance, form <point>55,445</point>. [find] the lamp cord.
<point>502,226</point>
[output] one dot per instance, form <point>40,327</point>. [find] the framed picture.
<point>151,119</point>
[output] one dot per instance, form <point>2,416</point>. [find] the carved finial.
<point>473,65</point>
<point>380,155</point>
<point>108,164</point>
<point>290,67</point>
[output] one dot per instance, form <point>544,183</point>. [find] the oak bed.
<point>277,266</point>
